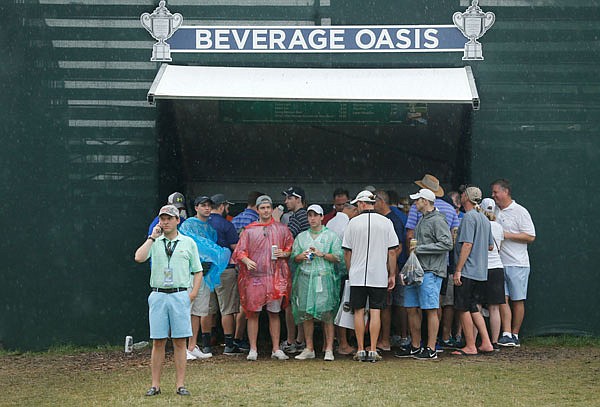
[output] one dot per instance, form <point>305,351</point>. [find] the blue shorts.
<point>426,295</point>
<point>515,282</point>
<point>169,313</point>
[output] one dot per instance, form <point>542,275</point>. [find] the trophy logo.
<point>473,23</point>
<point>161,25</point>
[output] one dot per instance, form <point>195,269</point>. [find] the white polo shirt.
<point>514,219</point>
<point>369,236</point>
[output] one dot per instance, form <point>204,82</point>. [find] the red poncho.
<point>271,280</point>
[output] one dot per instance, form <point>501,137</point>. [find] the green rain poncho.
<point>316,285</point>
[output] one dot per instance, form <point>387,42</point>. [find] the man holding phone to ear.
<point>175,267</point>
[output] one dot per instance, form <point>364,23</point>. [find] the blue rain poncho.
<point>208,249</point>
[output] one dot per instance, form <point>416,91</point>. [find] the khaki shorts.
<point>200,306</point>
<point>226,295</point>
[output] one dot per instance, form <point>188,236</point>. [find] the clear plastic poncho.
<point>316,286</point>
<point>209,250</point>
<point>271,280</point>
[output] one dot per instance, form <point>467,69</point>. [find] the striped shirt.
<point>298,222</point>
<point>444,207</point>
<point>244,218</point>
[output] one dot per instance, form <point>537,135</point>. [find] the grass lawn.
<point>543,372</point>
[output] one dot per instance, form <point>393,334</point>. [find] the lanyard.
<point>169,250</point>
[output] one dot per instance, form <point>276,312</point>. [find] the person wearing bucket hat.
<point>433,184</point>
<point>370,245</point>
<point>175,267</point>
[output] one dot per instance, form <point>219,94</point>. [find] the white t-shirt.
<point>369,236</point>
<point>494,261</point>
<point>338,223</point>
<point>515,219</point>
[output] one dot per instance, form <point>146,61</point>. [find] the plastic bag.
<point>345,315</point>
<point>412,273</point>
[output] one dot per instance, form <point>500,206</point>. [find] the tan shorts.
<point>226,295</point>
<point>200,306</point>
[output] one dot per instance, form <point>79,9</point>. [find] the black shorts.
<point>468,295</point>
<point>377,297</point>
<point>494,290</point>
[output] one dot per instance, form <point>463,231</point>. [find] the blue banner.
<point>402,38</point>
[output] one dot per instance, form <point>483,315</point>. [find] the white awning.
<point>426,85</point>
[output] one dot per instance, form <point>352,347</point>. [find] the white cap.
<point>425,194</point>
<point>315,208</point>
<point>488,205</point>
<point>364,196</point>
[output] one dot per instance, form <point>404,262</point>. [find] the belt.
<point>169,290</point>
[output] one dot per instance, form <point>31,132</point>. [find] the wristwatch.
<point>151,238</point>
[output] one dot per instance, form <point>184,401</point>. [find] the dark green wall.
<point>80,152</point>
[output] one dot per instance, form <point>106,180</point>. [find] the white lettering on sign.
<point>318,39</point>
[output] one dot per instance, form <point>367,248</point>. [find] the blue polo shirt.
<point>226,233</point>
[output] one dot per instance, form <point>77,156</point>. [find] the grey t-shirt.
<point>475,228</point>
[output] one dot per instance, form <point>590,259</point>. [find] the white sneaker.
<point>306,354</point>
<point>189,356</point>
<point>252,355</point>
<point>198,354</point>
<point>279,355</point>
<point>328,356</point>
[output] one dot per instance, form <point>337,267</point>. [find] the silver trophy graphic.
<point>161,25</point>
<point>473,23</point>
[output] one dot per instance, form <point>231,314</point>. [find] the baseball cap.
<point>315,208</point>
<point>218,199</point>
<point>177,199</point>
<point>488,205</point>
<point>425,194</point>
<point>294,191</point>
<point>201,199</point>
<point>364,196</point>
<point>473,194</point>
<point>170,210</point>
<point>263,199</point>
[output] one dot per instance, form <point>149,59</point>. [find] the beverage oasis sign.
<point>318,39</point>
<point>172,36</point>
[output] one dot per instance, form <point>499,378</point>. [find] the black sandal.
<point>153,391</point>
<point>182,391</point>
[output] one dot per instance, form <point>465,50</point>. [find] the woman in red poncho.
<point>264,275</point>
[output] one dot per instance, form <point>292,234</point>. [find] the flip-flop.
<point>346,353</point>
<point>460,352</point>
<point>383,349</point>
<point>486,352</point>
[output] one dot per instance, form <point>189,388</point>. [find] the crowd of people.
<point>305,265</point>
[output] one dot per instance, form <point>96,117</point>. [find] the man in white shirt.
<point>519,232</point>
<point>341,219</point>
<point>369,244</point>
